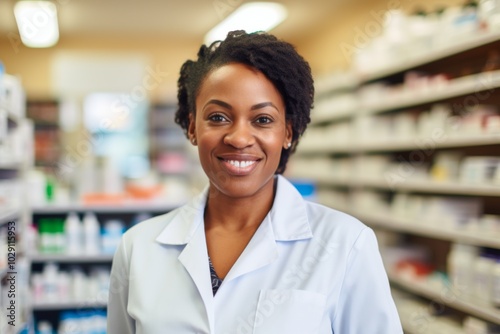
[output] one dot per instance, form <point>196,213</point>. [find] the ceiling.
<point>181,19</point>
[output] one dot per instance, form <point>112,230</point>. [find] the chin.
<point>241,187</point>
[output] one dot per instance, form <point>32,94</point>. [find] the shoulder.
<point>332,223</point>
<point>149,229</point>
<point>294,212</point>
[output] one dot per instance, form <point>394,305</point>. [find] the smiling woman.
<point>240,128</point>
<point>249,254</point>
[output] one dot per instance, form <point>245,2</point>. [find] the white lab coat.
<point>308,269</point>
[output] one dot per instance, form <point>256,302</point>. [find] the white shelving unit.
<point>74,259</point>
<point>326,146</point>
<point>129,208</point>
<point>16,156</point>
<point>345,154</point>
<point>51,310</point>
<point>471,84</point>
<point>430,187</point>
<point>447,297</point>
<point>429,229</point>
<point>434,55</point>
<point>58,306</point>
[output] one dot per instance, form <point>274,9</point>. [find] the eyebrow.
<point>228,106</point>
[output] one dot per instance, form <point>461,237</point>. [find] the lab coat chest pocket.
<point>289,311</point>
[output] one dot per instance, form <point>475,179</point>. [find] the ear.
<point>288,135</point>
<point>192,129</point>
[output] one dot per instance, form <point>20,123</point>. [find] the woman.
<point>249,255</point>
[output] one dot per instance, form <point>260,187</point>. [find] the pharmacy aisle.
<point>411,148</point>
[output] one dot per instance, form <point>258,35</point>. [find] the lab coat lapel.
<point>260,251</point>
<point>187,228</point>
<point>287,221</point>
<point>194,258</point>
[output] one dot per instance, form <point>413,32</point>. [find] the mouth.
<point>239,167</point>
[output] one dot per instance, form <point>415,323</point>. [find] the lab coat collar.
<point>184,224</point>
<point>288,217</point>
<point>289,213</point>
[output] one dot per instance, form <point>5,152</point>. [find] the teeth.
<point>241,164</point>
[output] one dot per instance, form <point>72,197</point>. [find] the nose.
<point>239,135</point>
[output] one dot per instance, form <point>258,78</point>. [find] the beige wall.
<point>34,66</point>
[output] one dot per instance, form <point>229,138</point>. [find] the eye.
<point>217,118</point>
<point>264,120</point>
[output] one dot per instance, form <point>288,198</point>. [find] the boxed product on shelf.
<point>371,167</point>
<point>395,255</point>
<point>445,212</point>
<point>446,166</point>
<point>475,274</point>
<point>480,170</point>
<point>477,120</point>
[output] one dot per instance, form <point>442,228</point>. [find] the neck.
<point>238,214</point>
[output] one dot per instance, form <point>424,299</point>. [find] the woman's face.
<point>240,129</point>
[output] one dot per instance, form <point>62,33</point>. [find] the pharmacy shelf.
<point>334,84</point>
<point>10,165</point>
<point>435,231</point>
<point>417,143</point>
<point>306,148</point>
<point>322,179</point>
<point>428,57</point>
<point>9,215</point>
<point>446,142</point>
<point>61,306</point>
<point>431,187</point>
<point>328,117</point>
<point>119,208</point>
<point>65,258</point>
<point>446,297</point>
<point>323,143</point>
<point>472,84</point>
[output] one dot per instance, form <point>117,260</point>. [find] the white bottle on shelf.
<point>73,230</point>
<point>460,261</point>
<point>50,282</point>
<point>92,239</point>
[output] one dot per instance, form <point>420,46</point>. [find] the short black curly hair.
<point>276,59</point>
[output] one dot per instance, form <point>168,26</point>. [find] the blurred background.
<point>404,135</point>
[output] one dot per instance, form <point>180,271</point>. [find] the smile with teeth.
<point>241,164</point>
